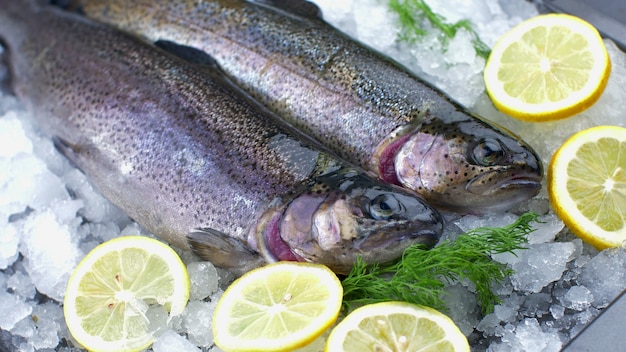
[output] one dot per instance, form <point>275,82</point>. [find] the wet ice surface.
<point>559,284</point>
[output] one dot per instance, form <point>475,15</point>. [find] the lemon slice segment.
<point>396,326</point>
<point>277,307</point>
<point>587,185</point>
<point>547,68</point>
<point>112,288</point>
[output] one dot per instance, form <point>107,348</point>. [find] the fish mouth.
<point>484,186</point>
<point>384,241</point>
<point>501,195</point>
<point>522,182</point>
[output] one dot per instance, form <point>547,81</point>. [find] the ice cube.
<point>157,316</point>
<point>197,322</point>
<point>557,311</point>
<point>9,242</point>
<point>12,310</point>
<point>13,139</point>
<point>536,304</point>
<point>546,229</point>
<point>338,13</point>
<point>26,182</point>
<point>25,329</point>
<point>103,231</point>
<point>470,222</point>
<point>605,276</point>
<point>133,229</point>
<point>204,280</point>
<point>505,314</point>
<point>49,269</point>
<point>581,319</point>
<point>488,324</point>
<point>577,298</point>
<point>462,307</point>
<point>538,265</point>
<point>529,336</point>
<point>171,341</point>
<point>48,318</point>
<point>370,17</point>
<point>21,285</point>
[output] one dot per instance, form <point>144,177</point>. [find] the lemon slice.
<point>587,185</point>
<point>277,307</point>
<point>112,288</point>
<point>396,326</point>
<point>547,68</point>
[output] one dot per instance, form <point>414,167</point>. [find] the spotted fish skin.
<point>363,106</point>
<point>189,156</point>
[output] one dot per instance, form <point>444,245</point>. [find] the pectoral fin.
<point>223,251</point>
<point>73,152</point>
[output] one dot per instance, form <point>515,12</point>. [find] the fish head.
<point>346,214</point>
<point>467,165</point>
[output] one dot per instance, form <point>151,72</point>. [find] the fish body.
<point>363,106</point>
<point>192,158</point>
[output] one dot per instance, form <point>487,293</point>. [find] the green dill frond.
<point>413,13</point>
<point>421,275</point>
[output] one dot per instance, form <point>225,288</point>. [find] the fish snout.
<point>408,221</point>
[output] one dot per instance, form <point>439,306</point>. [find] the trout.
<point>189,156</point>
<point>360,104</point>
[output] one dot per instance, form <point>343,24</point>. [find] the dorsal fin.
<point>297,7</point>
<point>187,53</point>
<point>69,5</point>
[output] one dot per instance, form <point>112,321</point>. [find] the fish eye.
<point>384,206</point>
<point>488,152</point>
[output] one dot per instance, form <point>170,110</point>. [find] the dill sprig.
<point>412,14</point>
<point>421,275</point>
